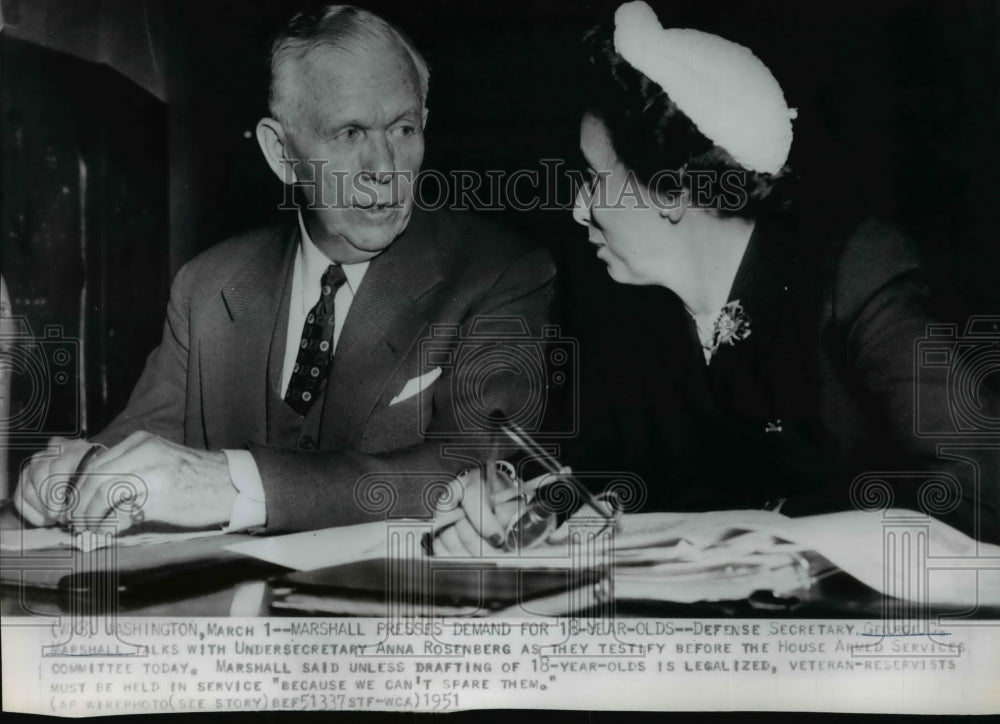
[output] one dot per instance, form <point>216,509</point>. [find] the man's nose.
<point>379,162</point>
<point>581,207</point>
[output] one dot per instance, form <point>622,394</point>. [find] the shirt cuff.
<point>249,510</point>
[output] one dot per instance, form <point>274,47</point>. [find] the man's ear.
<point>423,123</point>
<point>273,143</point>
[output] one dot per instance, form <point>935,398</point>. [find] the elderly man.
<point>290,367</point>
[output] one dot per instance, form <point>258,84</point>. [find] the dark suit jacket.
<point>213,381</point>
<point>816,406</point>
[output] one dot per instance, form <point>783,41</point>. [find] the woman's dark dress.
<point>816,407</point>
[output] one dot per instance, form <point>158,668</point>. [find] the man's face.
<point>355,123</point>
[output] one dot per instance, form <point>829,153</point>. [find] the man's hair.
<point>336,26</point>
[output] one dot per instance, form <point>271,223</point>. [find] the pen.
<point>525,443</point>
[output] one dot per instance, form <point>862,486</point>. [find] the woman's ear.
<point>273,144</point>
<point>673,207</point>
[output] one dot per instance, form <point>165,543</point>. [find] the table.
<point>209,581</point>
<point>834,596</point>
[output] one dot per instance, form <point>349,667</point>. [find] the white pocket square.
<point>416,386</point>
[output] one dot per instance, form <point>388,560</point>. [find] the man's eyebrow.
<point>333,127</point>
<point>408,113</point>
<point>338,125</point>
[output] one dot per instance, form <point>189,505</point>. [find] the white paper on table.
<point>852,540</point>
<point>957,569</point>
<point>35,539</point>
<point>319,548</point>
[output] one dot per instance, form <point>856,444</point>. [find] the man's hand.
<point>43,494</point>
<point>145,477</point>
<point>173,484</point>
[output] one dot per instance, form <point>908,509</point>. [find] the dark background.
<point>898,102</point>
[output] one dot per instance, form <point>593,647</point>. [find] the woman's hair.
<point>662,146</point>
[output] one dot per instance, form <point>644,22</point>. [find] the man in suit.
<point>291,367</point>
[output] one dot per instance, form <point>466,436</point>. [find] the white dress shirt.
<point>250,508</point>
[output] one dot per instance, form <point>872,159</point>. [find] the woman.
<point>771,362</point>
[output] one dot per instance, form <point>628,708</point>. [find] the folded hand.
<point>144,477</point>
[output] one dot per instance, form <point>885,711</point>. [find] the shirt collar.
<point>315,263</point>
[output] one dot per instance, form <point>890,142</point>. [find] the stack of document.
<point>708,557</point>
<point>362,570</point>
<point>730,555</point>
<point>396,588</point>
<point>668,557</point>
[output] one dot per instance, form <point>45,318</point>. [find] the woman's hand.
<point>485,512</point>
<point>475,526</point>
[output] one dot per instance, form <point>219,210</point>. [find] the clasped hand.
<point>144,477</point>
<point>481,513</point>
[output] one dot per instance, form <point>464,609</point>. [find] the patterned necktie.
<point>312,365</point>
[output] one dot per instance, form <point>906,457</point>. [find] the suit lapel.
<point>385,319</point>
<point>237,357</point>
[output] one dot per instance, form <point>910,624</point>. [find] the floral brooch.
<point>731,326</point>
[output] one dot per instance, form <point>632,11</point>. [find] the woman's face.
<point>628,230</point>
